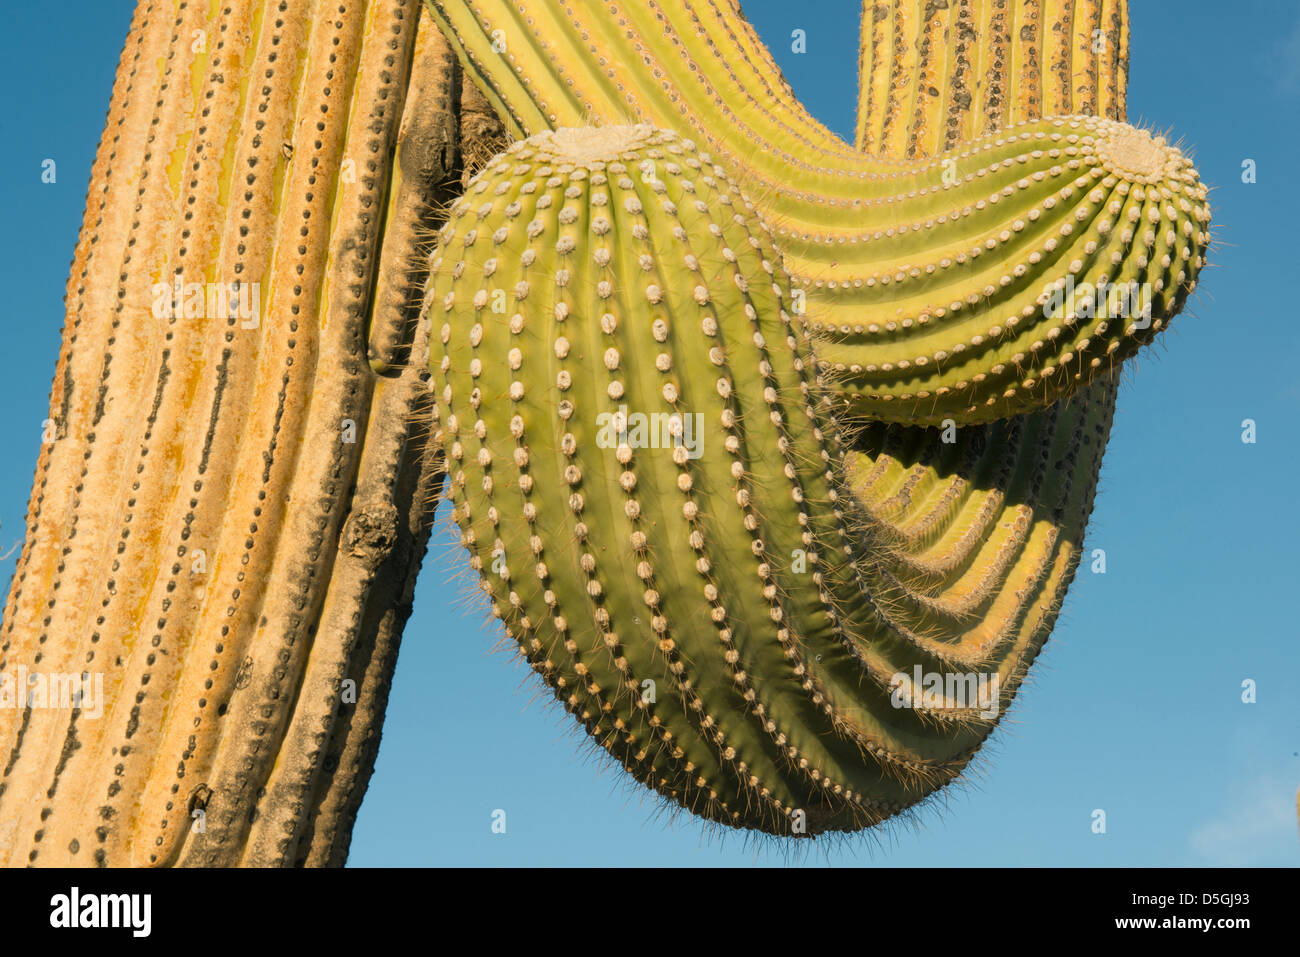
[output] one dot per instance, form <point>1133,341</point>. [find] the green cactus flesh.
<point>587,313</point>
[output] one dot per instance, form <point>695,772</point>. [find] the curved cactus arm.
<point>734,559</point>
<point>618,557</point>
<point>227,527</point>
<point>932,281</point>
<point>1091,239</point>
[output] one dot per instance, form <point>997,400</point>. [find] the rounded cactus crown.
<point>592,144</point>
<point>1140,157</point>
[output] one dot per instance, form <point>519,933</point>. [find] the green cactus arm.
<point>986,600</point>
<point>920,322</point>
<point>966,552</point>
<point>629,568</point>
<point>970,331</point>
<point>742,568</point>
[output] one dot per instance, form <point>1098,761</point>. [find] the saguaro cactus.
<point>228,522</point>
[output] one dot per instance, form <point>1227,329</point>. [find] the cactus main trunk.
<point>228,523</point>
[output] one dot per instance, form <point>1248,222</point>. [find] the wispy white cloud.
<point>1258,823</point>
<point>1288,74</point>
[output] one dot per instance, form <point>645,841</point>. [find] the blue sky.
<point>1135,706</point>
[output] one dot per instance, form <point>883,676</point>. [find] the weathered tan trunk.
<point>227,524</point>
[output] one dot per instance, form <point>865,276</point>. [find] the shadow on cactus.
<point>787,545</point>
